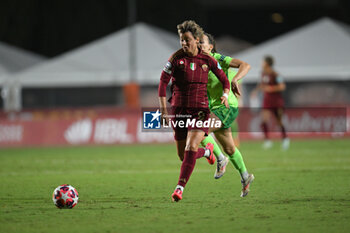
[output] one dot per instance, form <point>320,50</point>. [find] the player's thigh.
<point>180,146</point>
<point>236,141</point>
<point>194,137</point>
<point>224,137</point>
<point>215,118</point>
<point>265,115</point>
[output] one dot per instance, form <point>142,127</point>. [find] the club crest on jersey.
<point>181,64</point>
<point>205,67</point>
<point>192,66</point>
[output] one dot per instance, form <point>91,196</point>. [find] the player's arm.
<point>220,74</point>
<point>242,66</point>
<point>240,100</point>
<point>243,69</point>
<point>164,81</point>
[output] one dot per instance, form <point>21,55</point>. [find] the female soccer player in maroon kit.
<point>272,87</point>
<point>188,70</point>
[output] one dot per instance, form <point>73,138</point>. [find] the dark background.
<point>53,27</point>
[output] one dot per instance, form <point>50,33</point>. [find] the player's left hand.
<point>235,88</point>
<point>224,101</point>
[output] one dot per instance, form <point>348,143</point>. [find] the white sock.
<point>220,157</point>
<point>180,187</point>
<point>245,175</point>
<point>206,153</point>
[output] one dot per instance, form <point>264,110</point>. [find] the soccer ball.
<point>65,196</point>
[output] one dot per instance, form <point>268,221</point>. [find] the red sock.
<point>200,153</point>
<point>187,167</point>
<point>265,129</point>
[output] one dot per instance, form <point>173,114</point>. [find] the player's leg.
<point>212,149</point>
<point>235,135</point>
<point>180,146</point>
<point>180,135</point>
<point>236,140</point>
<point>265,116</point>
<point>191,154</point>
<point>224,136</point>
<point>209,139</point>
<point>278,112</point>
<point>279,117</point>
<point>225,116</point>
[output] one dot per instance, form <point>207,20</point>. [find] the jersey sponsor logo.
<point>205,67</point>
<point>167,67</point>
<point>193,66</point>
<point>222,58</point>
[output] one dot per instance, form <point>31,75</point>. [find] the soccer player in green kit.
<point>227,116</point>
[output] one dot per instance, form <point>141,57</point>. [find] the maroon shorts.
<point>184,114</point>
<point>273,102</point>
<point>276,111</point>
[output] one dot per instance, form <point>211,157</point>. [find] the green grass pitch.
<point>128,188</point>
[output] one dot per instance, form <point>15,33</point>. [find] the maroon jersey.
<point>189,76</point>
<point>272,99</point>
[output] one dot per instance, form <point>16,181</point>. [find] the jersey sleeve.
<point>165,77</point>
<point>219,73</point>
<point>167,73</point>
<point>223,60</point>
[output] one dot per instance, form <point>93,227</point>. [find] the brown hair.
<point>211,41</point>
<point>190,26</point>
<point>269,60</point>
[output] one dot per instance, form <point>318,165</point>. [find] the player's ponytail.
<point>211,41</point>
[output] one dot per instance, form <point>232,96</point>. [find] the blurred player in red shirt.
<point>188,70</point>
<point>272,87</point>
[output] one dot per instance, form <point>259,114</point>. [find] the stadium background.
<point>81,65</point>
<point>75,75</point>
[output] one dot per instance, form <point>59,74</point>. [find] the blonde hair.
<point>190,26</point>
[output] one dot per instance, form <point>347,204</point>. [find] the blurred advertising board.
<point>109,126</point>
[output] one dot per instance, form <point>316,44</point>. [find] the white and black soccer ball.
<point>65,196</point>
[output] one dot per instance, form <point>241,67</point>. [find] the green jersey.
<point>214,87</point>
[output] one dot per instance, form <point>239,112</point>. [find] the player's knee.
<point>230,150</point>
<point>191,147</point>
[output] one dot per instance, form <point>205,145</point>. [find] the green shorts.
<point>226,115</point>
